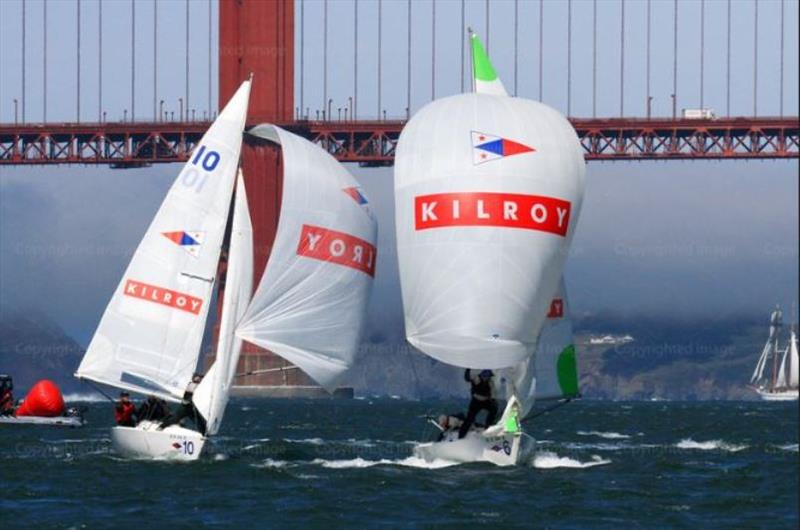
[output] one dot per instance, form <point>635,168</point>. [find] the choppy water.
<point>347,463</point>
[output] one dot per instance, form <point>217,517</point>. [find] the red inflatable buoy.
<point>44,399</point>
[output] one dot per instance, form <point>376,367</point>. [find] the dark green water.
<point>346,464</point>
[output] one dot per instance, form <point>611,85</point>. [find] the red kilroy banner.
<point>337,247</point>
<point>510,210</point>
<point>160,295</point>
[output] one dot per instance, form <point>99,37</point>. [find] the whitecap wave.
<point>83,397</point>
<point>709,445</point>
<point>272,464</point>
<point>789,447</point>
<point>607,435</point>
<point>310,441</point>
<point>549,460</point>
<point>359,462</point>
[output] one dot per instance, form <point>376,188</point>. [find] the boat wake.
<point>709,445</point>
<point>410,461</point>
<point>549,460</point>
<point>606,435</point>
<point>356,463</point>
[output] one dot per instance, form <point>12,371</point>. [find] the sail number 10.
<point>208,160</point>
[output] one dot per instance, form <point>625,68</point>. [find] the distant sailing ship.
<point>780,382</point>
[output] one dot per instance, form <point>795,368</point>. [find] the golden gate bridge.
<point>248,28</point>
<point>278,40</point>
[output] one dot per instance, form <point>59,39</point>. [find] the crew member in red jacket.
<point>125,411</point>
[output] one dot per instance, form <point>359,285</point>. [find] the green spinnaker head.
<point>481,65</point>
<point>486,80</point>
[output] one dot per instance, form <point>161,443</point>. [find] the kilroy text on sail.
<point>337,247</point>
<point>510,210</point>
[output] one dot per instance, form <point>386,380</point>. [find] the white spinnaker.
<point>148,340</point>
<point>211,396</point>
<point>794,361</point>
<point>477,295</point>
<point>310,305</point>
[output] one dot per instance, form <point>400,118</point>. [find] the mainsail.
<point>309,306</point>
<point>787,375</point>
<point>770,349</point>
<point>211,396</point>
<point>148,340</point>
<point>794,360</point>
<point>488,190</point>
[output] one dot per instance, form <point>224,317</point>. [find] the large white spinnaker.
<point>310,304</point>
<point>552,371</point>
<point>148,340</point>
<point>488,189</point>
<point>211,396</point>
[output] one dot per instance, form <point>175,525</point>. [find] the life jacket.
<point>123,413</point>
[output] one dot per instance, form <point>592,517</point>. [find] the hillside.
<point>32,347</point>
<point>669,359</point>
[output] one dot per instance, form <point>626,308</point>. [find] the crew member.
<point>187,408</point>
<point>482,391</point>
<point>449,422</point>
<point>153,409</point>
<point>6,395</point>
<point>125,411</point>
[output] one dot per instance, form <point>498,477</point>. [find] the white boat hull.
<point>778,395</point>
<point>57,421</point>
<point>503,449</point>
<point>147,442</point>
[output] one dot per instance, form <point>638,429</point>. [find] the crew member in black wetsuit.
<point>482,391</point>
<point>187,408</point>
<point>153,409</point>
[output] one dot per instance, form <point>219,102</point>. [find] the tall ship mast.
<point>775,377</point>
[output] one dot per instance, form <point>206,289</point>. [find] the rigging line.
<point>548,409</point>
<point>267,370</point>
<point>91,384</point>
<point>414,371</point>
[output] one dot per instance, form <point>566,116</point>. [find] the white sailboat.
<point>149,338</point>
<point>488,190</point>
<point>780,382</point>
<point>308,308</point>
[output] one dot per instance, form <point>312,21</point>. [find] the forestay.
<point>310,304</point>
<point>211,396</point>
<point>149,337</point>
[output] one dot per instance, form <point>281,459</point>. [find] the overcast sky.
<point>679,238</point>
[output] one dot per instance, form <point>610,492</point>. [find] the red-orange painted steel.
<point>372,143</point>
<point>257,36</point>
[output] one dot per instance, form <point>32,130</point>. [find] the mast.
<point>776,323</point>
